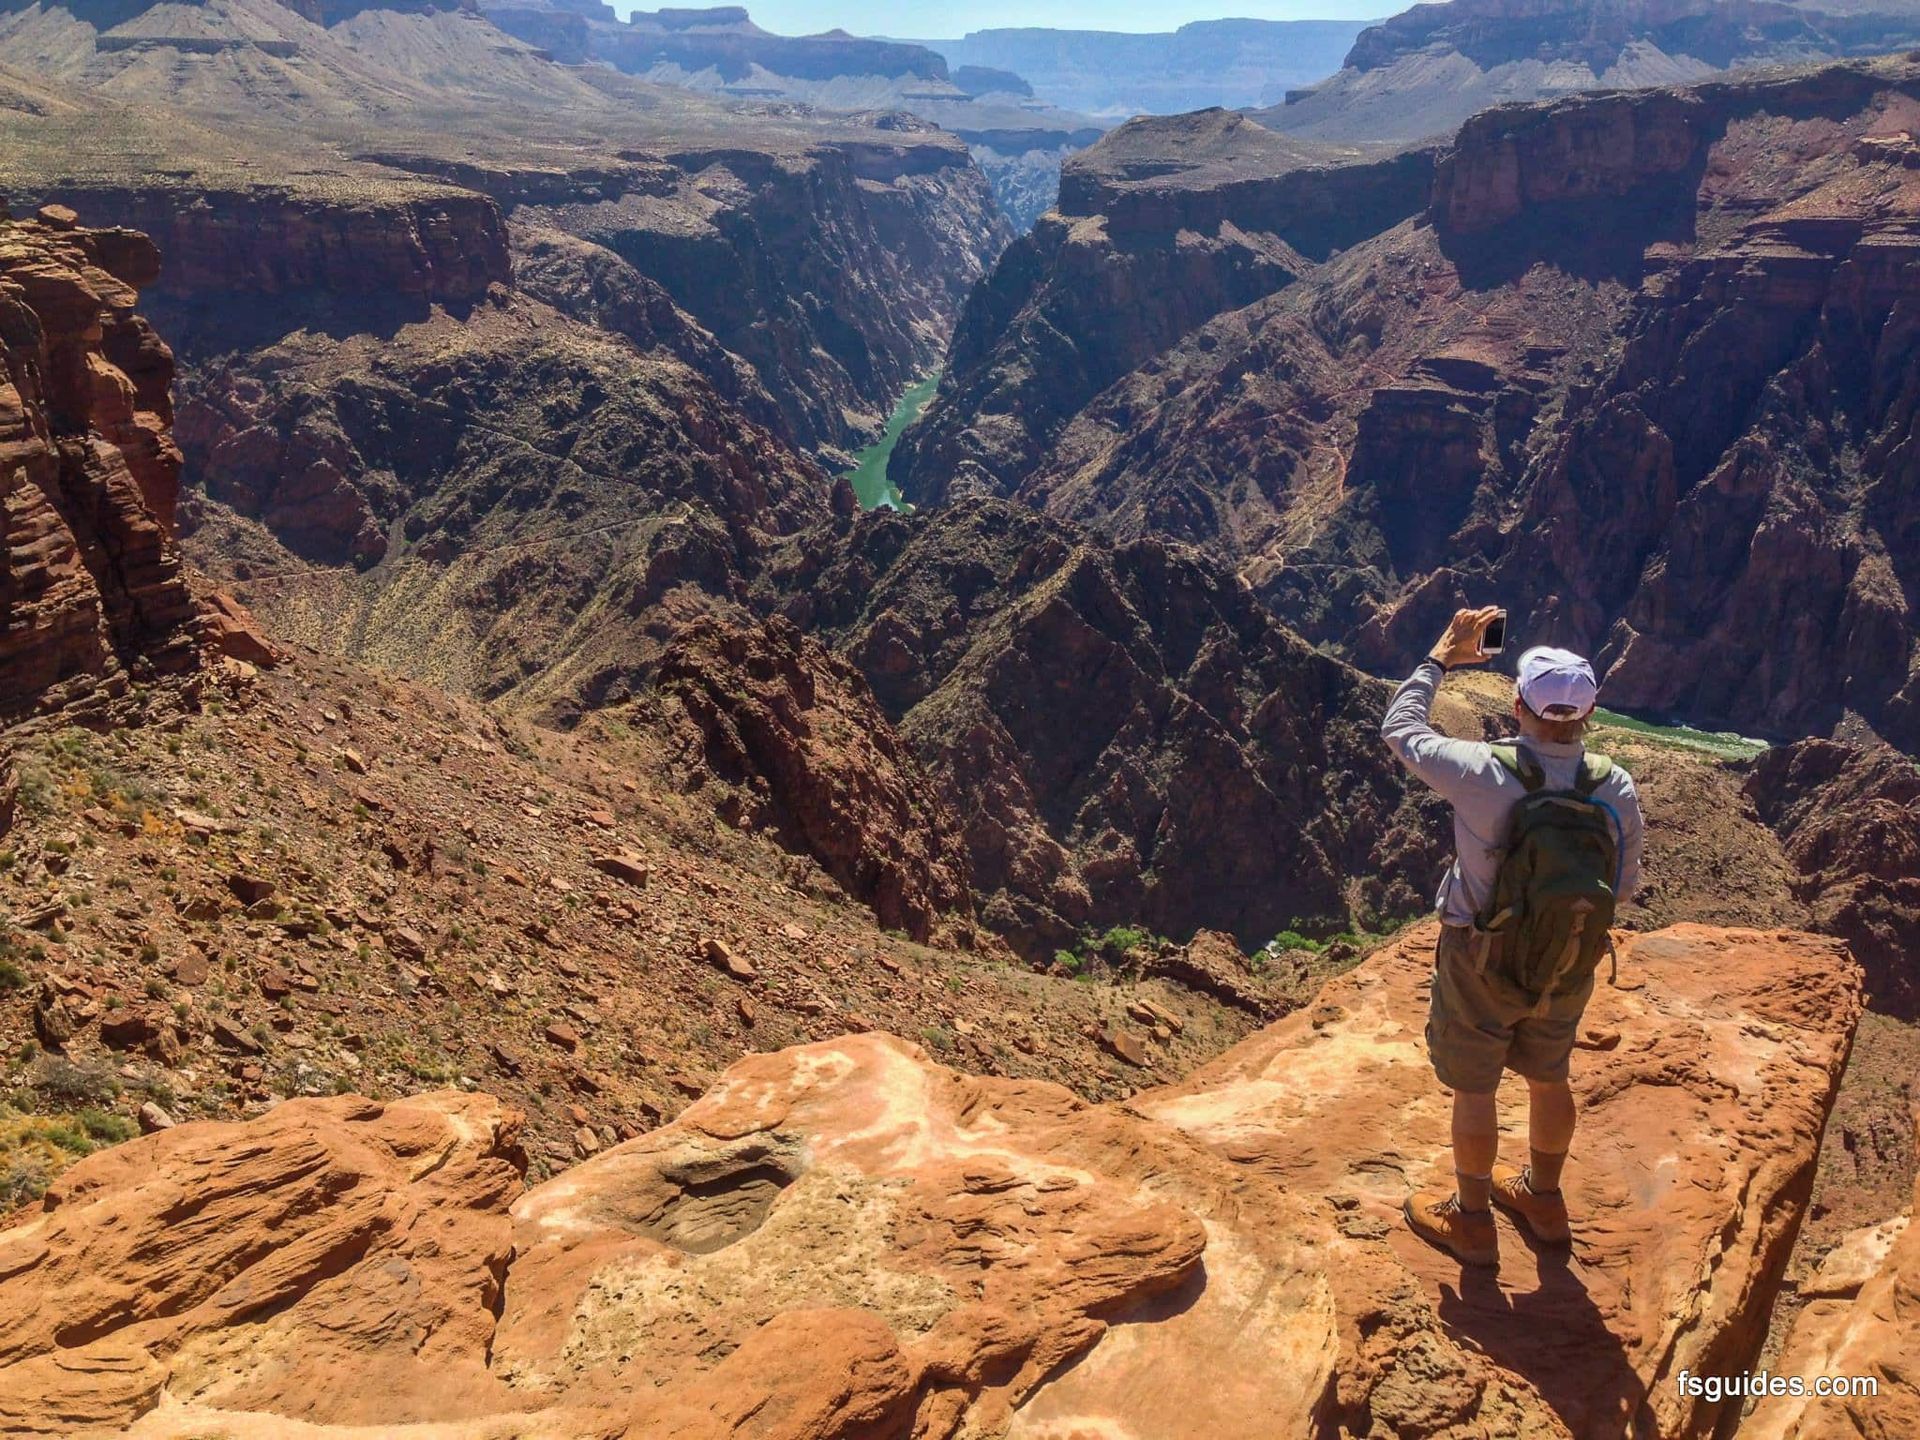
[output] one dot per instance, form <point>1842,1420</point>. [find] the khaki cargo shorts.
<point>1480,1024</point>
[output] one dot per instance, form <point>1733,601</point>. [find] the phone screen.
<point>1495,638</point>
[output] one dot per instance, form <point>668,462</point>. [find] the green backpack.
<point>1554,894</point>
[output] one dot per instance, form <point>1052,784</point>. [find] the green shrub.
<point>12,977</point>
<point>37,789</point>
<point>1294,940</point>
<point>107,1127</point>
<point>1122,938</point>
<point>67,1136</point>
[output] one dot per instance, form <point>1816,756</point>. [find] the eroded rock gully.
<point>846,1239</point>
<point>1850,819</point>
<point>792,737</point>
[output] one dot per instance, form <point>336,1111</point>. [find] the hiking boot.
<point>1465,1234</point>
<point>1545,1216</point>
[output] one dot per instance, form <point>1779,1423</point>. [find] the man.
<point>1482,1020</point>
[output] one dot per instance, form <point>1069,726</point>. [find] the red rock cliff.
<point>93,587</point>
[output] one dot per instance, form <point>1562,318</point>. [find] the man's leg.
<point>1533,1195</point>
<point>1467,1042</point>
<point>1550,1121</point>
<point>1462,1222</point>
<point>1476,1144</point>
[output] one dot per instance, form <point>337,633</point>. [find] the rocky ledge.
<point>847,1239</point>
<point>1862,1320</point>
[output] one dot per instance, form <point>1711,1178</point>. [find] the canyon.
<point>1502,391</point>
<point>1017,141</point>
<point>522,898</point>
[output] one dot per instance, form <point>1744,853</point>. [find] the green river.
<point>869,474</point>
<point>1721,744</point>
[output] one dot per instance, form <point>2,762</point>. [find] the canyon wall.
<point>1850,817</point>
<point>1640,369</point>
<point>424,242</point>
<point>836,272</point>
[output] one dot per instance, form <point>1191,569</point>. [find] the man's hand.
<point>1461,644</point>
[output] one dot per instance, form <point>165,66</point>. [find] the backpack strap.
<point>1520,764</point>
<point>1594,770</point>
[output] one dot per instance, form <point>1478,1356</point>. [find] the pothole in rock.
<point>711,1203</point>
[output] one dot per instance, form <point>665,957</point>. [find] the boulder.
<point>249,888</point>
<point>725,959</point>
<point>624,865</point>
<point>231,630</point>
<point>260,1266</point>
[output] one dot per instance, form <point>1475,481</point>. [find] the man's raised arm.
<point>1449,766</point>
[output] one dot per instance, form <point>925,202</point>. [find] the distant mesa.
<point>1424,71</point>
<point>985,80</point>
<point>683,17</point>
<point>1114,75</point>
<point>1017,140</point>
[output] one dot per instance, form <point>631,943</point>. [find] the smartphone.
<point>1494,638</point>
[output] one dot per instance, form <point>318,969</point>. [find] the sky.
<point>942,20</point>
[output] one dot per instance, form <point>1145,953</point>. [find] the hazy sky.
<point>933,19</point>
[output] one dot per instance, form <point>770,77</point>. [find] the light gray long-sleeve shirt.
<point>1482,793</point>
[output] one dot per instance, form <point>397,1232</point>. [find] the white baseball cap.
<point>1557,684</point>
